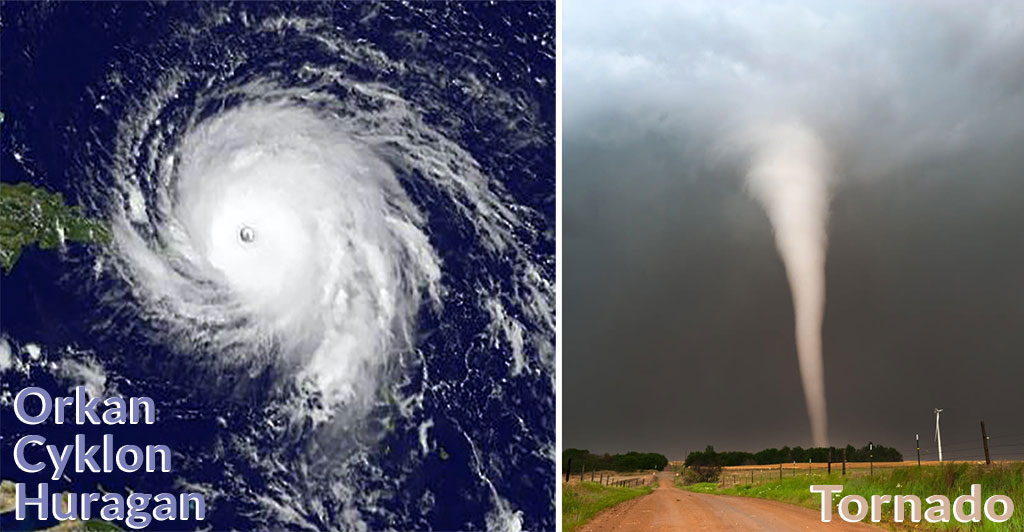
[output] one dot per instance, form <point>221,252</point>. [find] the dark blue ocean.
<point>68,73</point>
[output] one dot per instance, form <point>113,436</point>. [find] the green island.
<point>7,505</point>
<point>32,215</point>
<point>6,496</point>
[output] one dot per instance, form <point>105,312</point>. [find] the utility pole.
<point>984,440</point>
<point>830,460</point>
<point>871,457</point>
<point>568,469</point>
<point>583,469</point>
<point>918,438</point>
<point>844,461</point>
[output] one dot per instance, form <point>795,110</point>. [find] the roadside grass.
<point>700,487</point>
<point>951,480</point>
<point>581,502</point>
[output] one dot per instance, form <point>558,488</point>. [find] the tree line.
<point>584,460</point>
<point>710,458</point>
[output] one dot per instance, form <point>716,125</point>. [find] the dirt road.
<point>672,509</point>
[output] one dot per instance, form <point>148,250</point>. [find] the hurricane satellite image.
<point>320,236</point>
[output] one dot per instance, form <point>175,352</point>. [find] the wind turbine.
<point>938,435</point>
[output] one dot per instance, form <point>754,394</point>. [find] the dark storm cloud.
<point>678,319</point>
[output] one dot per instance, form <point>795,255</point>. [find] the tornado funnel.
<point>788,175</point>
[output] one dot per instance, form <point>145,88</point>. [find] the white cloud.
<point>6,356</point>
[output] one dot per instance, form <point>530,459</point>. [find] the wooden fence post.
<point>917,437</point>
<point>984,441</point>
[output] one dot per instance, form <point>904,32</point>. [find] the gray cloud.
<point>674,292</point>
<point>885,83</point>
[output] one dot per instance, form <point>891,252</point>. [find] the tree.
<point>709,458</point>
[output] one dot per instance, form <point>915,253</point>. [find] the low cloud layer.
<point>884,83</point>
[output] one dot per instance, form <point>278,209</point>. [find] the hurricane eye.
<point>247,234</point>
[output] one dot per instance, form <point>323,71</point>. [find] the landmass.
<point>6,496</point>
<point>7,505</point>
<point>32,215</point>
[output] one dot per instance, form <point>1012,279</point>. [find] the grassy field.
<point>582,501</point>
<point>951,480</point>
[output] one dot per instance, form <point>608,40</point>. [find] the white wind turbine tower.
<point>938,435</point>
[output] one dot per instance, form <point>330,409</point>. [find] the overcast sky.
<point>678,321</point>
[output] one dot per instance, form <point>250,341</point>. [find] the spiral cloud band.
<point>322,238</point>
<point>310,241</point>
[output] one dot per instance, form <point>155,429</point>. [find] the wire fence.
<point>610,478</point>
<point>1007,447</point>
<point>1002,447</point>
